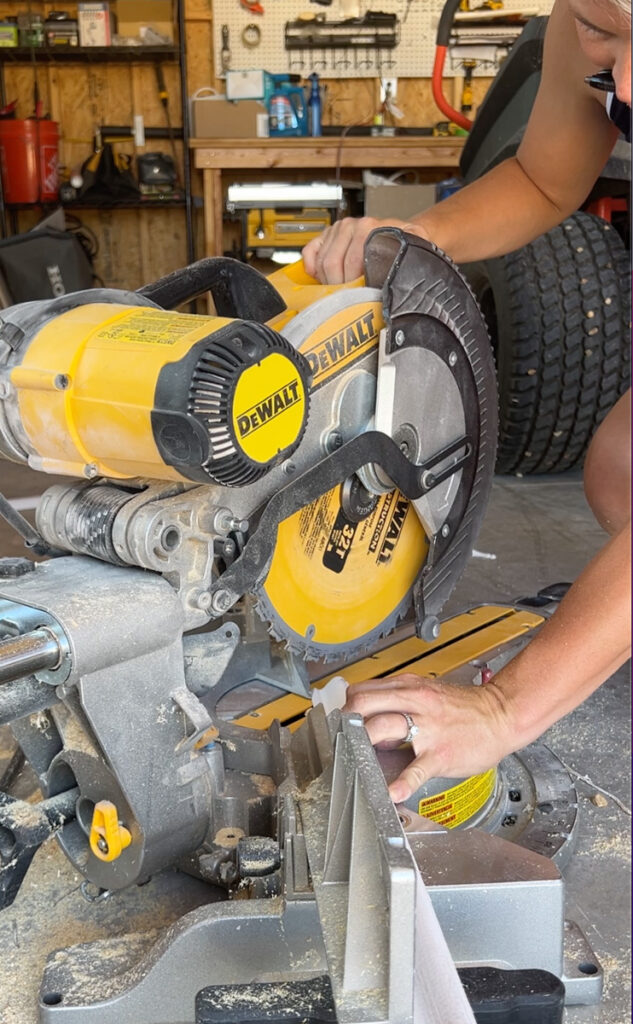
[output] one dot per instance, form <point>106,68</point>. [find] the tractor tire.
<point>559,315</point>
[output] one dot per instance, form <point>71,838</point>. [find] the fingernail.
<point>397,793</point>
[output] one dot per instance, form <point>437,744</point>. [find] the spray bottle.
<point>314,105</point>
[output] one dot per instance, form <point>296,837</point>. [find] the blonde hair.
<point>624,6</point>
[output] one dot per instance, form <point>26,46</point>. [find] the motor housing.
<point>109,389</point>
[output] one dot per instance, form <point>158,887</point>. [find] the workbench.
<point>213,156</point>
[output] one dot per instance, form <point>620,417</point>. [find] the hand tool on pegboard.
<point>164,99</point>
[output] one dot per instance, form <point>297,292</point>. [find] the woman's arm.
<point>467,729</point>
<point>566,144</point>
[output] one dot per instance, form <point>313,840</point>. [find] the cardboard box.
<point>215,117</point>
<point>400,201</point>
<point>61,32</point>
<point>134,16</point>
<point>95,24</point>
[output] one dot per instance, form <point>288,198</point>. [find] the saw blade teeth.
<point>315,652</point>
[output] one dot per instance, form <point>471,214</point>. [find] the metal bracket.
<point>23,829</point>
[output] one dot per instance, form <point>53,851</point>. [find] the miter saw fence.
<point>289,474</point>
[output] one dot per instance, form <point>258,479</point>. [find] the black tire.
<point>559,314</point>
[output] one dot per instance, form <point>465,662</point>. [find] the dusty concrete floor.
<point>539,531</point>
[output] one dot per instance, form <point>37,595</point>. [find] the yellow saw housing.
<point>120,392</point>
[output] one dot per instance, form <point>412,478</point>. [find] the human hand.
<point>463,730</point>
<point>336,255</point>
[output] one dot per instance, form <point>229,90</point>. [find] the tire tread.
<point>563,352</point>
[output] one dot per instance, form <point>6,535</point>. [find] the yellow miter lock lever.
<point>108,837</point>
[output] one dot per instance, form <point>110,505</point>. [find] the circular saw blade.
<point>334,586</point>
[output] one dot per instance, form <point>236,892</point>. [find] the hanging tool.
<point>252,6</point>
<point>225,52</point>
<point>251,36</point>
<point>467,89</point>
<point>164,99</point>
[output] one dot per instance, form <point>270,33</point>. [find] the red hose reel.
<point>441,46</point>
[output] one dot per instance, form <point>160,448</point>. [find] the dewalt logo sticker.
<point>344,342</point>
<point>268,407</point>
<point>280,400</point>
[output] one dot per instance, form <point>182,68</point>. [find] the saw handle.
<point>298,289</point>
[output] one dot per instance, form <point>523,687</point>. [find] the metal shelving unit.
<point>115,55</point>
<point>80,54</point>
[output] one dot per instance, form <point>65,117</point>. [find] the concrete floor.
<point>542,531</point>
<point>539,531</point>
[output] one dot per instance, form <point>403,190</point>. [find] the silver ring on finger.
<point>413,729</point>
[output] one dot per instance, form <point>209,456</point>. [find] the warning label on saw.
<point>152,327</point>
<point>456,805</point>
<point>315,523</point>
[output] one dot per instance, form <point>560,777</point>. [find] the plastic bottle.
<point>314,105</point>
<point>445,188</point>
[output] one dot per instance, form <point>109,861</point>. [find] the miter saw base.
<point>345,933</point>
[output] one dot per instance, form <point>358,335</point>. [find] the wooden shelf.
<point>81,54</point>
<point>78,204</point>
<point>213,156</point>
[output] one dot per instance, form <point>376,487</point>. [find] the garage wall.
<point>136,246</point>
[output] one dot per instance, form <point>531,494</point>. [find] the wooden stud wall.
<point>136,246</point>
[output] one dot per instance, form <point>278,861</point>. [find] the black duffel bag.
<point>42,264</point>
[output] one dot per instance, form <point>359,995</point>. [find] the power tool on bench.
<point>274,484</point>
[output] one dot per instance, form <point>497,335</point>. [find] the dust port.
<point>7,844</point>
<point>586,967</point>
<point>73,836</point>
<point>52,998</point>
<point>60,778</point>
<point>85,811</point>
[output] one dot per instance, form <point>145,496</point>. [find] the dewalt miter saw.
<point>277,482</point>
<point>326,450</point>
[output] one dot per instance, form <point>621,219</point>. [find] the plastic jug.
<point>287,112</point>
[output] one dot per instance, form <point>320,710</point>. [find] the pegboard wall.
<point>412,57</point>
